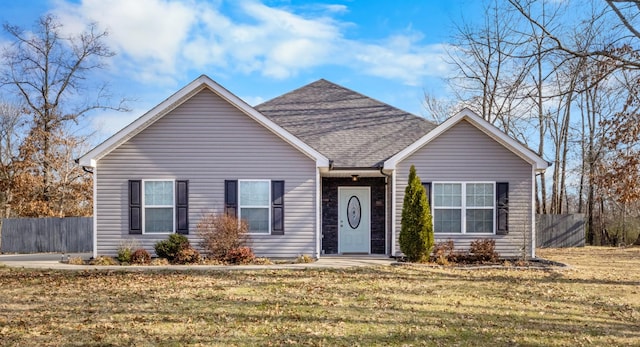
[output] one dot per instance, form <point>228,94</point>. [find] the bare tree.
<point>49,71</point>
<point>11,127</point>
<point>489,79</point>
<point>598,104</point>
<point>508,75</point>
<point>617,41</point>
<point>438,109</point>
<point>605,46</point>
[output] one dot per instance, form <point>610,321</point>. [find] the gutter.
<point>356,168</point>
<point>87,169</point>
<point>381,167</point>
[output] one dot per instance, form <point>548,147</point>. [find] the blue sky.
<point>393,51</point>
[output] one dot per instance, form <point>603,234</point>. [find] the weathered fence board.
<point>560,230</point>
<point>35,235</point>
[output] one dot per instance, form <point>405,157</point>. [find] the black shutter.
<point>182,207</point>
<point>277,207</point>
<point>502,208</point>
<point>135,207</point>
<point>427,188</point>
<point>231,197</point>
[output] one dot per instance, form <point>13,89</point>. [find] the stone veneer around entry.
<point>330,211</point>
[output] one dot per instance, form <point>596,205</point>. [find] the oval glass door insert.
<point>354,212</point>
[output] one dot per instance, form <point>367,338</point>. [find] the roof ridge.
<point>378,101</point>
<point>289,92</point>
<point>347,89</point>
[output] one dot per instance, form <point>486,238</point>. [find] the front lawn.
<point>597,302</point>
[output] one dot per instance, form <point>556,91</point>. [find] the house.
<point>319,170</point>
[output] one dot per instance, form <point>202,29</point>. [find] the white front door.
<point>354,220</point>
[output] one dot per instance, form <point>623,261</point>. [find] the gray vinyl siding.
<point>206,140</point>
<point>464,153</point>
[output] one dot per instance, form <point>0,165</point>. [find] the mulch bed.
<point>513,264</point>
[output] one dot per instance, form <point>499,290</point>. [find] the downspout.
<point>387,208</point>
<point>319,210</point>
<point>95,206</point>
<point>533,214</point>
<point>393,214</point>
<point>534,223</point>
<point>318,214</point>
<point>95,212</point>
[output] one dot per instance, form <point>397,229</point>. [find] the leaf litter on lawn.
<point>596,302</point>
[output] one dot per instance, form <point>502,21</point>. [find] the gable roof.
<point>508,142</point>
<point>352,130</point>
<point>184,94</point>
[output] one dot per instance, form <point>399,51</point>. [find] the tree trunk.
<point>590,227</point>
<point>580,189</point>
<point>543,190</point>
<point>541,130</point>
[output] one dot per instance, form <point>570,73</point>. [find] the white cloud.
<point>149,32</point>
<point>274,42</point>
<point>253,100</point>
<point>159,40</point>
<point>409,63</point>
<point>336,8</point>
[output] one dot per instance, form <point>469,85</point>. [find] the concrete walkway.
<point>52,261</point>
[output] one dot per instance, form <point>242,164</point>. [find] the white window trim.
<point>173,207</point>
<point>268,207</point>
<point>463,207</point>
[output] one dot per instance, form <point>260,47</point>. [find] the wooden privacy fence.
<point>560,230</point>
<point>35,235</point>
<point>75,234</point>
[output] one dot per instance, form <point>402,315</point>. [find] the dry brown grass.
<point>596,302</point>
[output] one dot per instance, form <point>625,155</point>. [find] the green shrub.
<point>416,232</point>
<point>242,255</point>
<point>170,247</point>
<point>125,250</point>
<point>140,257</point>
<point>187,255</point>
<point>124,255</point>
<point>221,233</point>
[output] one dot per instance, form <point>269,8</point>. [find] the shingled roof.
<point>349,128</point>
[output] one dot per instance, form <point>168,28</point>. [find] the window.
<point>255,203</point>
<point>480,202</point>
<point>447,210</point>
<point>158,201</point>
<point>259,202</point>
<point>465,208</point>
